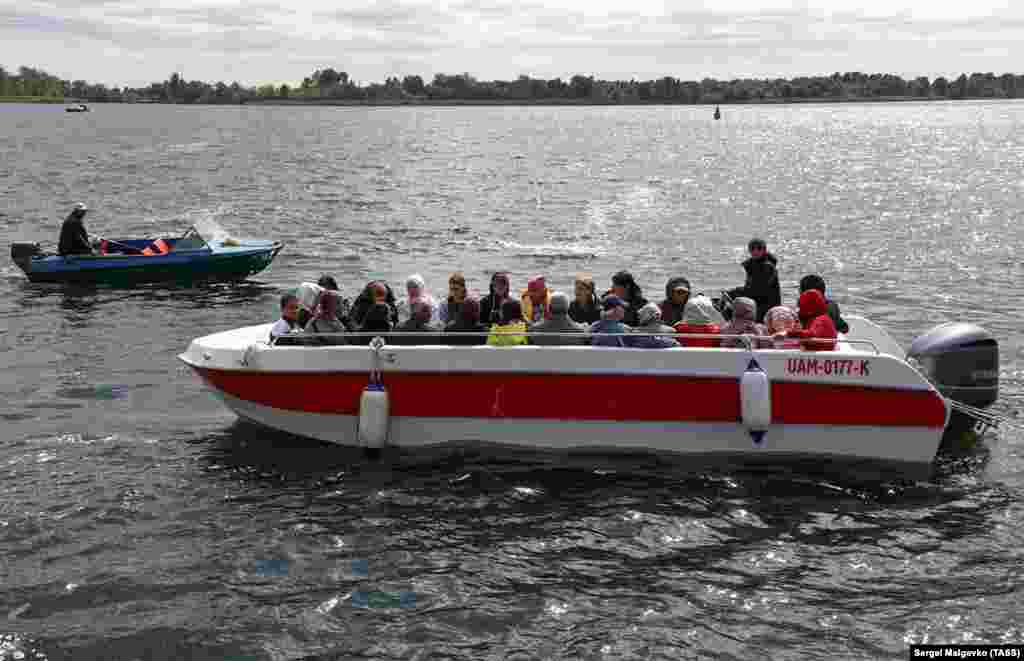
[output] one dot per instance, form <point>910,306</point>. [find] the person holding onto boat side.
<point>677,293</point>
<point>416,290</point>
<point>809,282</point>
<point>779,321</point>
<point>541,333</point>
<point>819,331</point>
<point>585,308</point>
<point>490,305</point>
<point>376,291</point>
<point>650,322</point>
<point>326,321</point>
<point>535,300</point>
<point>74,240</point>
<point>608,331</point>
<point>289,321</point>
<point>744,311</point>
<point>625,287</point>
<point>452,305</point>
<point>466,330</point>
<point>700,318</point>
<point>762,282</point>
<point>512,329</point>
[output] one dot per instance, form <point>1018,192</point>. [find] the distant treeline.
<point>326,85</point>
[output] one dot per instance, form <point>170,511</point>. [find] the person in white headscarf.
<point>700,318</point>
<point>416,290</point>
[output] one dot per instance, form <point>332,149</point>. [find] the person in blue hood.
<point>604,332</point>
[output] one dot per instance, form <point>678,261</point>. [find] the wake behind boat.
<point>204,252</point>
<point>862,401</point>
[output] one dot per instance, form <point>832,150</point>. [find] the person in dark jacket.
<point>813,281</point>
<point>466,330</point>
<point>818,332</point>
<point>558,323</point>
<point>490,305</point>
<point>625,287</point>
<point>376,291</point>
<point>677,293</point>
<point>378,319</point>
<point>585,308</point>
<point>762,283</point>
<point>74,240</point>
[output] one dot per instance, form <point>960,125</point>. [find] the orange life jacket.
<point>158,247</point>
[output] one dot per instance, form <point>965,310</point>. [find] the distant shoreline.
<point>508,102</point>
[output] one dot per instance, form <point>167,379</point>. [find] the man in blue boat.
<point>74,240</point>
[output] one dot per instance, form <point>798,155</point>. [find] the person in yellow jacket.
<point>512,329</point>
<point>536,301</point>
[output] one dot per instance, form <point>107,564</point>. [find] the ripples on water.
<point>138,520</point>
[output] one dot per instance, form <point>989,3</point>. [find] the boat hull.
<point>184,266</point>
<point>685,401</point>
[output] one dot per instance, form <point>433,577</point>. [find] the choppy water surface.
<point>138,521</point>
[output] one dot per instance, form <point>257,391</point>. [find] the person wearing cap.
<point>677,293</point>
<point>608,332</point>
<point>625,287</point>
<point>762,282</point>
<point>535,300</point>
<point>74,240</point>
<point>649,317</point>
<point>813,281</point>
<point>540,333</point>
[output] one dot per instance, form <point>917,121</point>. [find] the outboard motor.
<point>22,254</point>
<point>962,362</point>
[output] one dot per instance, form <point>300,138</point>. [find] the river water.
<point>139,521</point>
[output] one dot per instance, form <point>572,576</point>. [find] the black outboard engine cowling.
<point>962,361</point>
<point>22,254</point>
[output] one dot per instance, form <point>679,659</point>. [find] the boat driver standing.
<point>74,240</point>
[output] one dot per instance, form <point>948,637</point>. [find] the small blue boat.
<point>125,262</point>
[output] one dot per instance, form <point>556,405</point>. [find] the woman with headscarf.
<point>535,300</point>
<point>416,290</point>
<point>309,298</point>
<point>452,305</point>
<point>625,287</point>
<point>376,291</point>
<point>512,329</point>
<point>490,305</point>
<point>677,293</point>
<point>699,318</point>
<point>744,312</point>
<point>585,309</point>
<point>466,330</point>
<point>326,319</point>
<point>779,321</point>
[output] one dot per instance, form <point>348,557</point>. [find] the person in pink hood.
<point>819,331</point>
<point>535,301</point>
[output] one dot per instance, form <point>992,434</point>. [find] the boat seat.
<point>158,247</point>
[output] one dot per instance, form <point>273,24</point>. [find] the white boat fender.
<point>374,412</point>
<point>756,398</point>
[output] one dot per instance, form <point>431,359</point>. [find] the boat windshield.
<point>211,231</point>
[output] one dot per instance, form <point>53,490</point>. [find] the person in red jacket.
<point>817,325</point>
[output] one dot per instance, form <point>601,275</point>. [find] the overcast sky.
<point>135,42</point>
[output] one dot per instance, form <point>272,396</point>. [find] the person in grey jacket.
<point>558,323</point>
<point>649,318</point>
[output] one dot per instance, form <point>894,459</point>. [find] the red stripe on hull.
<point>634,398</point>
<point>825,404</point>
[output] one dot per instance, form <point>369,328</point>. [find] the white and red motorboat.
<point>862,401</point>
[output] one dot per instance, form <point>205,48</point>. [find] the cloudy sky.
<point>135,42</point>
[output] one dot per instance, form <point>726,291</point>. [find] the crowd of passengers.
<point>619,317</point>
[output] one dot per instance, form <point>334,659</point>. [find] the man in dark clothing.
<point>809,282</point>
<point>762,283</point>
<point>74,240</point>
